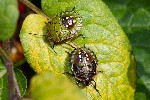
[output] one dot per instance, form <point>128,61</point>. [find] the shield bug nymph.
<point>83,64</point>
<point>63,26</point>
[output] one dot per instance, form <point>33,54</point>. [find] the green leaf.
<point>143,70</point>
<point>142,92</point>
<point>8,18</point>
<point>135,20</point>
<point>131,16</point>
<point>4,83</point>
<point>103,36</point>
<point>50,87</point>
<point>2,73</point>
<point>2,69</point>
<point>1,87</point>
<point>22,82</point>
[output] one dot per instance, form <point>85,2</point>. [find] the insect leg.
<point>69,74</point>
<point>100,71</point>
<point>96,88</point>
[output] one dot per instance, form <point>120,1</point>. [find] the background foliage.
<point>8,22</point>
<point>8,18</point>
<point>132,15</point>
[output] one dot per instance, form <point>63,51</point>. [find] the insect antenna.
<point>73,8</point>
<point>67,73</point>
<point>43,35</point>
<point>36,34</point>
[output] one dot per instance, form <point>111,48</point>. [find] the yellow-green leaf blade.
<point>53,87</point>
<point>31,44</point>
<point>103,36</point>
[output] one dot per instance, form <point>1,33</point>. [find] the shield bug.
<point>63,26</point>
<point>83,64</point>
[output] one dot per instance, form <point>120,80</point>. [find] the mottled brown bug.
<point>83,64</point>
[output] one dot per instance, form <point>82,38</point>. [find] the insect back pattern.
<point>83,64</point>
<point>63,26</point>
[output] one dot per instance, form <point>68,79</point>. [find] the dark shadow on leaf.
<point>131,72</point>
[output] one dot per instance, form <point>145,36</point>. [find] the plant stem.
<point>10,73</point>
<point>8,66</point>
<point>34,8</point>
<point>5,55</point>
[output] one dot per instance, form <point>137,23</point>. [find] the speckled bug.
<point>63,26</point>
<point>83,64</point>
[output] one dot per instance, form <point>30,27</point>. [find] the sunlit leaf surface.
<point>103,36</point>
